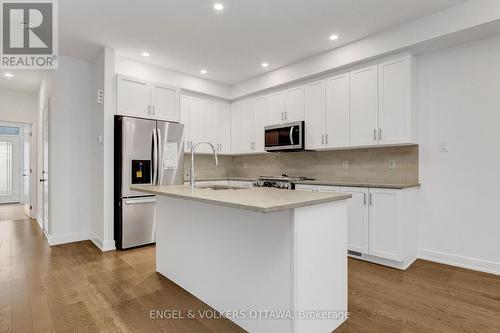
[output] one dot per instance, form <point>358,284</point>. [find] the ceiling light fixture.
<point>334,37</point>
<point>203,71</point>
<point>145,54</point>
<point>264,64</point>
<point>9,75</point>
<point>218,7</point>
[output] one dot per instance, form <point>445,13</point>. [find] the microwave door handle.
<point>154,157</point>
<point>291,135</point>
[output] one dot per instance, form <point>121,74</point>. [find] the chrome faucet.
<point>191,173</point>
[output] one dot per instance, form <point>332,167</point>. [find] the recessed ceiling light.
<point>145,54</point>
<point>9,75</point>
<point>203,71</point>
<point>264,64</point>
<point>334,37</point>
<point>218,7</point>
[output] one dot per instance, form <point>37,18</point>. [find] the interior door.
<point>165,101</point>
<point>26,169</point>
<point>315,115</point>
<point>364,106</point>
<point>10,168</point>
<point>45,170</point>
<point>337,112</point>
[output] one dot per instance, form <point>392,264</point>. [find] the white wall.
<point>22,107</point>
<point>70,150</point>
<point>459,102</point>
<point>152,73</point>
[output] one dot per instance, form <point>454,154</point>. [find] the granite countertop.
<point>263,200</point>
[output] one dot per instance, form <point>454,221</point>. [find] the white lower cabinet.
<point>382,226</point>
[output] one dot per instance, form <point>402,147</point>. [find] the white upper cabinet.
<point>184,119</point>
<point>395,101</point>
<point>247,126</point>
<point>315,115</point>
<point>294,104</point>
<point>165,102</point>
<point>224,129</point>
<point>276,108</point>
<point>133,97</point>
<point>210,124</point>
<point>261,113</point>
<point>236,128</point>
<point>146,99</point>
<point>196,120</point>
<point>338,124</point>
<point>364,106</point>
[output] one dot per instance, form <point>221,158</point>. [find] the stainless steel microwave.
<point>284,137</point>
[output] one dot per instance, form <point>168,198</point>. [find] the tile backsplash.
<point>391,165</point>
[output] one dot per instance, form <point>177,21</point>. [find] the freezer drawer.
<point>138,221</point>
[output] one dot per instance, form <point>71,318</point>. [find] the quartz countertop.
<point>356,184</point>
<point>263,200</point>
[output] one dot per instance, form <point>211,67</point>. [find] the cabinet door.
<point>364,107</point>
<point>276,108</point>
<point>184,119</point>
<point>236,128</point>
<point>395,101</point>
<point>165,102</point>
<point>300,187</point>
<point>196,121</point>
<point>224,134</point>
<point>247,125</point>
<point>337,112</point>
<point>315,115</point>
<point>210,124</point>
<point>260,116</point>
<point>383,224</point>
<point>329,188</point>
<point>133,97</point>
<point>294,104</point>
<point>357,222</point>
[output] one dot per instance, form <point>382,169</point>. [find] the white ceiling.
<point>188,35</point>
<point>24,80</point>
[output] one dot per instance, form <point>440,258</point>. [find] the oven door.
<point>284,137</point>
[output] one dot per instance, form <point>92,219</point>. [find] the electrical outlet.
<point>100,96</point>
<point>443,146</point>
<point>345,164</point>
<point>392,164</point>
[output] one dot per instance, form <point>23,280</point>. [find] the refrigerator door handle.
<point>159,173</point>
<point>154,153</point>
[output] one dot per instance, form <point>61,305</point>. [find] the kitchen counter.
<point>263,200</point>
<point>220,247</point>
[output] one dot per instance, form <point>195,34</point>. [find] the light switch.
<point>99,139</point>
<point>345,164</point>
<point>392,164</point>
<point>443,146</point>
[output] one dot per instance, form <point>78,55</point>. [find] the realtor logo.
<point>29,34</point>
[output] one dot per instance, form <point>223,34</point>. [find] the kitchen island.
<point>270,260</point>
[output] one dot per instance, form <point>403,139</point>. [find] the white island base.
<point>258,263</point>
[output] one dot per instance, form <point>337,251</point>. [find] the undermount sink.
<point>220,187</point>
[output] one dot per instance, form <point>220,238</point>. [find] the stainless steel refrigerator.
<point>146,152</point>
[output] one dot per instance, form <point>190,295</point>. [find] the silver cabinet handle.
<point>326,138</point>
<point>153,107</point>
<point>149,109</point>
<point>322,139</point>
<point>364,198</point>
<point>380,134</point>
<point>291,135</point>
<point>375,134</point>
<point>286,115</point>
<point>371,198</point>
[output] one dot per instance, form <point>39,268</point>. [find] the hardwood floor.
<point>76,288</point>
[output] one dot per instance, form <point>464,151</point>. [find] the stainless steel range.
<point>284,181</point>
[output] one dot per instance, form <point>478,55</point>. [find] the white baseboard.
<point>460,261</point>
<point>108,245</point>
<point>39,220</point>
<point>67,238</point>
